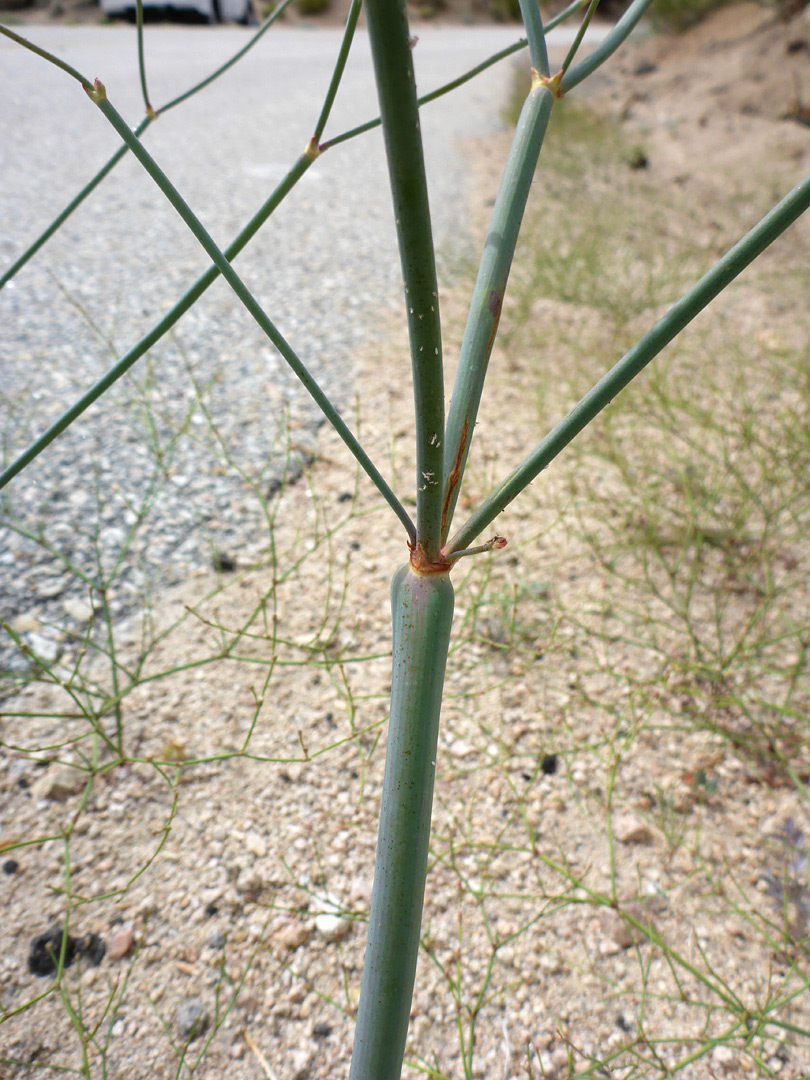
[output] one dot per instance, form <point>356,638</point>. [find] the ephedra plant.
<point>422,591</point>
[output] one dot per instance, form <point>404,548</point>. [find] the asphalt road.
<point>324,267</point>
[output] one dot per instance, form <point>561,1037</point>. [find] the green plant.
<point>422,593</point>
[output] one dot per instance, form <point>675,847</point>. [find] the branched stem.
<point>572,52</point>
<point>454,84</point>
<point>62,217</point>
<point>606,48</point>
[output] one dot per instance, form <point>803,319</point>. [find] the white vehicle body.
<point>240,11</point>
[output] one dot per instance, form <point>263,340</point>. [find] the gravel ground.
<point>327,275</point>
<point>125,257</point>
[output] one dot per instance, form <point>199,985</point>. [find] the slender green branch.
<point>340,65</point>
<point>536,35</point>
<point>344,137</point>
<point>191,296</point>
<point>61,218</point>
<point>150,112</point>
<point>99,96</point>
<point>26,44</point>
<point>188,299</point>
<point>488,294</point>
<point>606,48</point>
<point>572,52</point>
<point>237,56</point>
<point>396,89</point>
<point>646,349</point>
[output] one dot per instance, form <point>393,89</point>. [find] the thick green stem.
<point>488,294</point>
<point>645,350</point>
<point>396,89</point>
<point>422,613</point>
<point>535,35</point>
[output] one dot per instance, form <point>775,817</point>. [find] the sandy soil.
<point>232,851</point>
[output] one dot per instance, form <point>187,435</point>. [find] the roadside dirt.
<point>234,849</point>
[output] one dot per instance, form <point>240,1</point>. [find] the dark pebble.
<point>645,68</point>
<point>549,764</point>
<point>11,866</point>
<point>43,956</point>
<point>638,160</point>
<point>45,950</point>
<point>321,1031</point>
<point>224,563</point>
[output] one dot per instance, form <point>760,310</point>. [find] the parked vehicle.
<point>213,11</point>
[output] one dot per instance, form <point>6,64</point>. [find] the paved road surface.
<point>324,267</point>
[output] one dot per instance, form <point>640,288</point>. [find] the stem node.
<point>552,83</point>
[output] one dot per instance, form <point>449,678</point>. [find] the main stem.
<point>422,614</point>
<point>396,89</point>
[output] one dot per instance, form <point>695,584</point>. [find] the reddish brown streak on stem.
<point>494,304</point>
<point>455,473</point>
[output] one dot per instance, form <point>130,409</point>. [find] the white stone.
<point>256,844</point>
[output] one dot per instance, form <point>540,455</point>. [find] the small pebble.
<point>120,943</point>
<point>629,829</point>
<point>192,1018</point>
<point>292,936</point>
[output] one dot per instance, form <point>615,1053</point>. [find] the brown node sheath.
<point>421,564</point>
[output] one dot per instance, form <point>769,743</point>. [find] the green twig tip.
<point>495,544</point>
<point>97,92</point>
